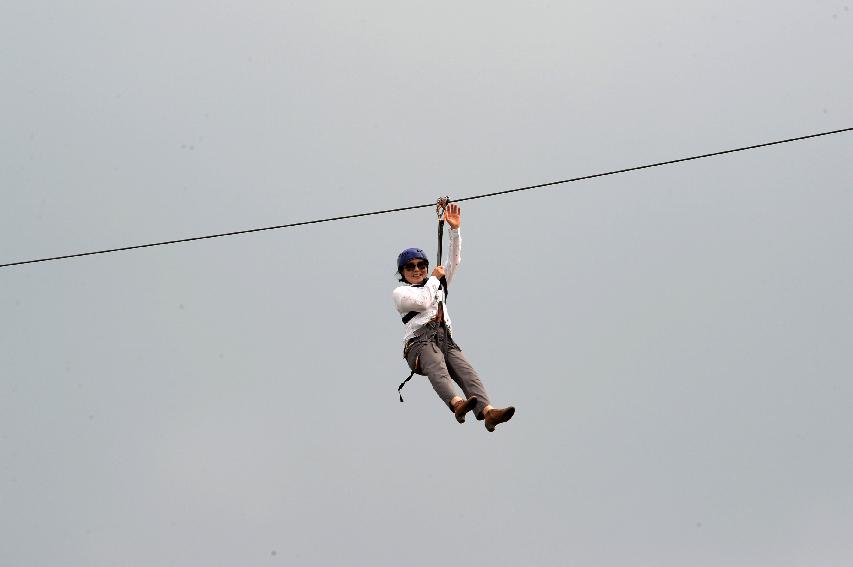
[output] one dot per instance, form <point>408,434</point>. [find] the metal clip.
<point>440,205</point>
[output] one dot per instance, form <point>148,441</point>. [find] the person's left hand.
<point>453,215</point>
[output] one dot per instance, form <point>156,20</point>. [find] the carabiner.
<point>440,205</point>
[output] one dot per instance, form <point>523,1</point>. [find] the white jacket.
<point>425,299</point>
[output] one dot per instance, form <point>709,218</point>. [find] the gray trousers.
<point>435,354</point>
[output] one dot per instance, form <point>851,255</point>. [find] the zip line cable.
<point>412,207</point>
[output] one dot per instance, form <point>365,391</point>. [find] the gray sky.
<point>676,341</point>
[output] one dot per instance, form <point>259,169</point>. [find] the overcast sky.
<point>676,341</point>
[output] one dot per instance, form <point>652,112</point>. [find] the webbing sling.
<point>440,206</point>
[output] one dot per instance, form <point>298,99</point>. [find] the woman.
<point>429,347</point>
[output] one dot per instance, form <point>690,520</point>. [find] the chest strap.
<point>412,314</point>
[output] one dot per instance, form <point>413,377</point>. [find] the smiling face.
<point>415,271</point>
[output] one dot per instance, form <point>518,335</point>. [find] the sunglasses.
<point>412,266</point>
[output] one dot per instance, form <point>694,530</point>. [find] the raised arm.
<point>453,216</point>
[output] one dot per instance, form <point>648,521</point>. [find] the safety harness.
<point>440,206</point>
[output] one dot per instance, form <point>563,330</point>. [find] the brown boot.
<point>495,416</point>
<point>461,407</point>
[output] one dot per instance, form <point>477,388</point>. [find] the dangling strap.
<point>414,370</point>
<point>399,390</point>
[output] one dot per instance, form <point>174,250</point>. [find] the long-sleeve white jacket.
<point>425,299</point>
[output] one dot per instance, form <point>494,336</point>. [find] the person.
<point>428,344</point>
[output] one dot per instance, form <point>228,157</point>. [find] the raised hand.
<point>453,215</point>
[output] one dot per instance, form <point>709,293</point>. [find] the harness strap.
<point>412,314</point>
<point>399,390</point>
<point>414,370</point>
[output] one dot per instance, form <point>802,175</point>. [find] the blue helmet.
<point>410,254</point>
